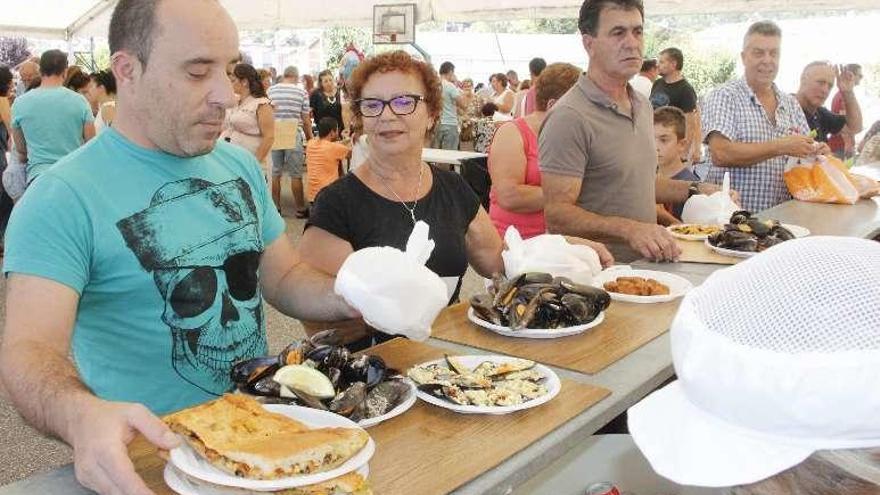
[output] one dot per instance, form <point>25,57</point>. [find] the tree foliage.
<point>13,51</point>
<point>336,38</point>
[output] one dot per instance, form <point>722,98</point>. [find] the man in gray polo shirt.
<point>597,155</point>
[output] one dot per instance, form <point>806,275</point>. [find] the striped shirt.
<point>289,100</point>
<point>735,112</point>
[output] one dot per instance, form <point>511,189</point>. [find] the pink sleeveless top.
<point>528,224</point>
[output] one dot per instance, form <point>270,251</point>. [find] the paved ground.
<point>24,451</point>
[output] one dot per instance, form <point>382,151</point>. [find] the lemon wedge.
<point>305,379</point>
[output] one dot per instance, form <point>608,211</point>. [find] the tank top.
<point>100,125</point>
<point>528,224</point>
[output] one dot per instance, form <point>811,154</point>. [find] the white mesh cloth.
<point>817,294</point>
<point>776,357</point>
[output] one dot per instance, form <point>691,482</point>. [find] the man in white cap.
<point>148,253</point>
<point>777,361</point>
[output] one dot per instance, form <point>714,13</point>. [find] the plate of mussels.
<point>484,384</point>
<point>319,373</point>
<point>538,306</point>
<point>746,235</point>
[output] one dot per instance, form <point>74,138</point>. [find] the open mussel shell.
<point>304,398</point>
<point>263,383</point>
<point>346,401</point>
<point>368,369</point>
<point>244,371</point>
<point>385,397</point>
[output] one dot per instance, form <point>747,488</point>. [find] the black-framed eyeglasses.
<point>400,105</point>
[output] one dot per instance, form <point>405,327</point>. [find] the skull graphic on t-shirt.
<point>202,243</point>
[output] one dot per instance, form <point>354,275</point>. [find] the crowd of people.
<point>148,249</point>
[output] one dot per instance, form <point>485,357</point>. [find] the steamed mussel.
<point>748,233</point>
<point>362,386</point>
<point>539,300</point>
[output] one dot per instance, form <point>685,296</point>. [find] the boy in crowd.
<point>670,137</point>
<point>323,157</point>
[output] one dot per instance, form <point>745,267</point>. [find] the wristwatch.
<point>693,189</point>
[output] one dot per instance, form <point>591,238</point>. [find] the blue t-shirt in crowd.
<point>449,113</point>
<point>52,121</point>
<point>164,254</point>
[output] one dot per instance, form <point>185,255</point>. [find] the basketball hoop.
<point>394,24</point>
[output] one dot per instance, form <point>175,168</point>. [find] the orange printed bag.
<point>820,179</point>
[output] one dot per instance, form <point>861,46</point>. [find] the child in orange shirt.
<point>323,157</point>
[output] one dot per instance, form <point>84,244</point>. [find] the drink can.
<point>602,488</point>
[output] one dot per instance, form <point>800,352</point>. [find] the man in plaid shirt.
<point>752,127</point>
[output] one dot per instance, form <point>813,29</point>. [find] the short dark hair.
<point>77,81</point>
<point>446,68</point>
<point>672,117</point>
<point>53,63</point>
<point>133,28</point>
<point>326,125</point>
<point>676,55</point>
<point>107,79</point>
<point>588,20</point>
<point>5,80</point>
<point>488,109</point>
<point>854,68</point>
<point>648,64</point>
<point>536,66</point>
<point>249,74</point>
<point>502,78</point>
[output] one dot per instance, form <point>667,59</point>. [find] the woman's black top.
<point>352,211</point>
<point>323,107</point>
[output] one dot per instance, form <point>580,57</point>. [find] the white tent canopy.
<point>82,18</point>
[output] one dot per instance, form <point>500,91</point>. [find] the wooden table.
<point>626,327</point>
<point>426,435</point>
<point>628,379</point>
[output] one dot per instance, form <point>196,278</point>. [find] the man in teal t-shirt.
<point>148,253</point>
<point>50,121</point>
<point>446,135</point>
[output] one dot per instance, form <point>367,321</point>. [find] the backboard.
<point>394,24</point>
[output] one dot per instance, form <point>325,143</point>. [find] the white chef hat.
<point>777,357</point>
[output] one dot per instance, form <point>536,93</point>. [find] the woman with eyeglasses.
<point>396,99</point>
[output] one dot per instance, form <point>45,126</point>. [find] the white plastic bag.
<point>714,209</point>
<point>15,177</point>
<point>549,253</point>
<point>393,289</point>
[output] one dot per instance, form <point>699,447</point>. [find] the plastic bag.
<point>820,179</point>
<point>714,209</point>
<point>393,289</point>
<point>549,253</point>
<point>15,177</point>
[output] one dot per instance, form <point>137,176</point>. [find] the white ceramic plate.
<point>685,237</point>
<point>730,252</point>
<point>401,408</point>
<point>187,460</point>
<point>535,333</point>
<point>678,286</point>
<point>797,230</point>
<point>551,382</point>
<point>187,485</point>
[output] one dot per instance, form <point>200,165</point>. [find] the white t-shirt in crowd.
<point>642,84</point>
